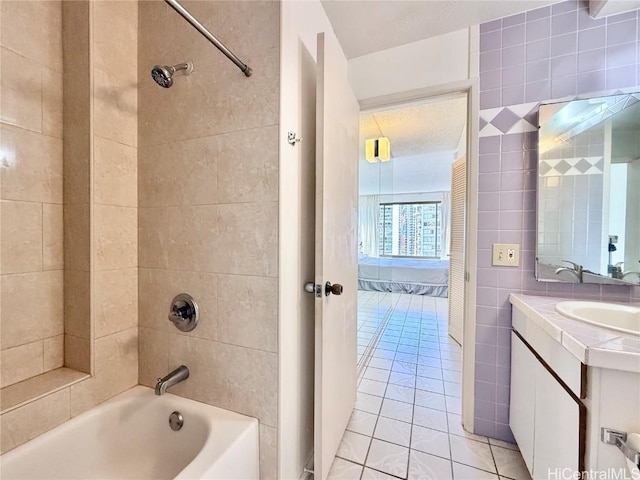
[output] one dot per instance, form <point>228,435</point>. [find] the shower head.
<point>163,74</point>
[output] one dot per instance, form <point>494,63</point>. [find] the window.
<point>410,230</point>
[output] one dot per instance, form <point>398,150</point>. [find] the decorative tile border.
<point>571,166</point>
<point>506,120</point>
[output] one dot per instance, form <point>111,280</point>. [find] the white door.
<point>456,249</point>
<point>337,115</point>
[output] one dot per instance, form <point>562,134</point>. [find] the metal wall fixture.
<point>316,289</point>
<point>176,421</point>
<point>184,312</point>
<point>292,138</point>
<point>184,13</point>
<point>619,439</point>
<point>163,74</point>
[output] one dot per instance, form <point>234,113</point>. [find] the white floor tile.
<point>429,362</point>
<point>407,349</point>
<point>393,431</point>
<point>368,403</point>
<point>456,428</point>
<point>430,384</point>
<point>344,470</point>
<point>430,400</point>
<point>362,422</point>
<point>454,404</point>
<point>397,410</point>
<point>403,379</point>
<point>453,389</point>
<point>380,363</point>
<point>376,374</point>
<point>370,474</point>
<point>414,375</point>
<point>388,458</point>
<point>381,353</point>
<point>471,453</point>
<point>430,418</point>
<point>354,447</point>
<point>451,376</point>
<point>414,342</point>
<point>452,365</point>
<point>430,441</point>
<point>423,466</point>
<point>510,463</point>
<point>451,355</point>
<point>464,472</point>
<point>500,443</point>
<point>430,352</point>
<point>404,367</point>
<point>430,372</point>
<point>407,357</point>
<point>372,387</point>
<point>400,393</point>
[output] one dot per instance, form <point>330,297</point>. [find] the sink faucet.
<point>629,273</point>
<point>180,374</point>
<point>576,270</point>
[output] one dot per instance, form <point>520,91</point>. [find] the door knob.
<point>336,289</point>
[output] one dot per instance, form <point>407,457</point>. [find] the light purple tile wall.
<point>551,53</point>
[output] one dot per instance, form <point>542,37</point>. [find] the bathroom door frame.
<point>471,88</point>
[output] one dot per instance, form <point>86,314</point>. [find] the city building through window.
<point>410,230</point>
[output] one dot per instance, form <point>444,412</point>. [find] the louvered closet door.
<point>456,259</point>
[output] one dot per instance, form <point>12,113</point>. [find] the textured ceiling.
<point>418,129</point>
<point>364,27</point>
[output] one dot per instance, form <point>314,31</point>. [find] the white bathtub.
<point>129,437</point>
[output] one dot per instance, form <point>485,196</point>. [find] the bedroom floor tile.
<point>406,423</point>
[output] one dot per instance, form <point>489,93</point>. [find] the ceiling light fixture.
<point>377,149</point>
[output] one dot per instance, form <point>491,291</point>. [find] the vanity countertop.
<point>592,345</point>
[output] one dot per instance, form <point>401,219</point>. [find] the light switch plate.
<point>506,254</point>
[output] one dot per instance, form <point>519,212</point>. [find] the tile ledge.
<point>35,388</point>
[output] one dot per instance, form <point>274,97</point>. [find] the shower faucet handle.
<point>184,312</point>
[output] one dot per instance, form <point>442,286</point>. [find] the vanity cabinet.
<point>547,417</point>
<point>569,380</point>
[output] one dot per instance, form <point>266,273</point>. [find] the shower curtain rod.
<point>209,36</point>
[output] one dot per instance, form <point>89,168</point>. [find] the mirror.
<point>588,223</point>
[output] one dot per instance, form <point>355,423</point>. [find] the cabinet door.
<point>523,387</point>
<point>557,428</point>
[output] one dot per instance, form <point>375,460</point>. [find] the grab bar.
<point>619,439</point>
<point>184,13</point>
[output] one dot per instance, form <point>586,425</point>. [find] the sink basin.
<point>621,318</point>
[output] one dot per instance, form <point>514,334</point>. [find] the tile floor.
<point>406,423</point>
<point>373,310</point>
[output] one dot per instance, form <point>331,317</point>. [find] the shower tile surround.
<point>32,265</point>
<point>89,237</point>
<point>201,184</point>
<point>208,208</point>
<point>553,53</point>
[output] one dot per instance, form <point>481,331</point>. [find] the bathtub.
<point>129,437</point>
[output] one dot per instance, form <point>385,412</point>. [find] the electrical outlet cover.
<point>506,254</point>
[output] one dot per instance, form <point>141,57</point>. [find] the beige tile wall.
<point>77,184</point>
<point>208,207</point>
<point>93,327</point>
<point>112,207</point>
<point>31,211</point>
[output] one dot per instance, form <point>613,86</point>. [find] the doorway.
<point>409,366</point>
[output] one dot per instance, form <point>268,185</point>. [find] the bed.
<point>419,276</point>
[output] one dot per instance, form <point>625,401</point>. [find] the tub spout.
<point>178,375</point>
